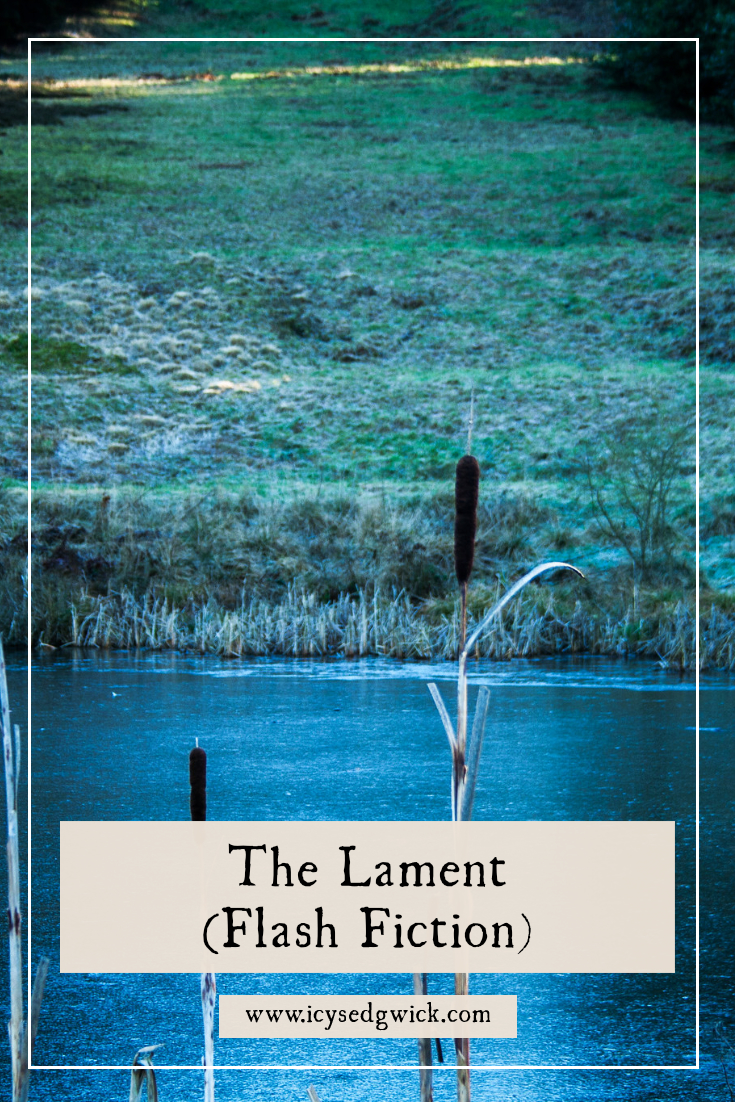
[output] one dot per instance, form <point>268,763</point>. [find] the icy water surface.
<point>574,739</point>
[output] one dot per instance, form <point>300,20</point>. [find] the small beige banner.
<point>367,1015</point>
<point>367,897</point>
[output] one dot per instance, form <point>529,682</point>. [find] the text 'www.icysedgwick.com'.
<point>368,897</point>
<point>360,1016</point>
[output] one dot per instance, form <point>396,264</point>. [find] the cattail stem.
<point>461,1044</point>
<point>198,808</point>
<point>464,776</point>
<point>420,987</point>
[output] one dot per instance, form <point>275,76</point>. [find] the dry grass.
<point>374,625</point>
<point>240,371</point>
<point>717,639</point>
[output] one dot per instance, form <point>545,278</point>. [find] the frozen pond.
<point>571,739</point>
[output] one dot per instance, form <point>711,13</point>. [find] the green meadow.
<point>270,280</point>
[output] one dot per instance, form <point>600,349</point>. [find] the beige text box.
<point>491,897</point>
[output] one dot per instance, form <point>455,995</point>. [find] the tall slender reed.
<point>22,1034</point>
<point>466,758</point>
<point>198,810</point>
<point>466,496</point>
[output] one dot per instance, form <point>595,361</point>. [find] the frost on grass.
<point>370,388</point>
<point>115,319</point>
<point>169,346</point>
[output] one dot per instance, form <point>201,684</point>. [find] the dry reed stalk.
<point>209,998</point>
<point>15,1025</point>
<point>420,987</point>
<point>198,810</point>
<point>39,986</point>
<point>142,1073</point>
<point>22,1035</point>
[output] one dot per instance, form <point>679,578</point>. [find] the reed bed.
<point>392,626</point>
<point>717,640</point>
<point>279,574</point>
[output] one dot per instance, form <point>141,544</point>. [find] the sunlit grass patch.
<point>395,68</point>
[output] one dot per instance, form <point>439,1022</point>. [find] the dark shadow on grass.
<point>579,18</point>
<point>53,113</point>
<point>446,17</point>
<point>47,110</point>
<point>13,107</point>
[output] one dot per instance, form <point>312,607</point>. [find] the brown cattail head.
<point>198,782</point>
<point>466,491</point>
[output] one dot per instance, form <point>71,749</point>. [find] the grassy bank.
<point>324,571</point>
<point>262,303</point>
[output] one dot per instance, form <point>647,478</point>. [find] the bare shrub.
<point>635,471</point>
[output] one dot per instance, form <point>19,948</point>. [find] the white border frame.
<point>393,1067</point>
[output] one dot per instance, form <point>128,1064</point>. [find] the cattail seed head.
<point>466,492</point>
<point>198,782</point>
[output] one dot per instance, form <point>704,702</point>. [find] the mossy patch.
<point>58,357</point>
<point>13,199</point>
